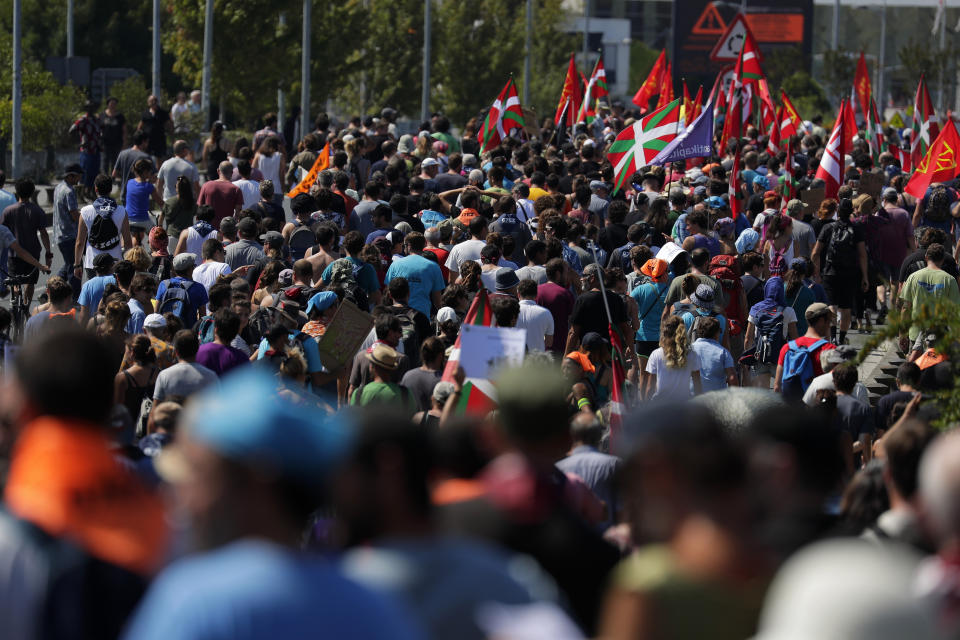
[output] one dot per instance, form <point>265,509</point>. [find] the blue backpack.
<point>176,300</point>
<point>798,369</point>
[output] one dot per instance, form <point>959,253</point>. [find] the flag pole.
<point>603,290</point>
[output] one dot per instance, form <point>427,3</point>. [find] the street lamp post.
<point>207,62</point>
<point>305,69</point>
<point>425,91</point>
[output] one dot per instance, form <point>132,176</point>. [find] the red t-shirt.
<point>223,196</point>
<point>804,341</point>
<point>442,255</point>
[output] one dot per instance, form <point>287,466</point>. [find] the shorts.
<point>646,347</point>
<point>763,369</point>
<point>841,290</point>
<point>19,267</point>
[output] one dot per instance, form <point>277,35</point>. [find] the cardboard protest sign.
<point>345,333</point>
<point>812,198</point>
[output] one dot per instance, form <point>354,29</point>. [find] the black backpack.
<point>842,252</point>
<point>176,300</point>
<point>770,338</point>
<point>104,234</point>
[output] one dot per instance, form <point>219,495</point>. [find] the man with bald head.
<point>221,194</point>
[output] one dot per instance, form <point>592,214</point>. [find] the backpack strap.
<point>816,345</point>
<point>793,345</point>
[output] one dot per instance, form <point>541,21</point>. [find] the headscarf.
<point>158,241</point>
<point>655,269</point>
<point>773,297</point>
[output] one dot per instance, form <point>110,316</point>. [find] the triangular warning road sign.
<point>728,46</point>
<point>710,22</point>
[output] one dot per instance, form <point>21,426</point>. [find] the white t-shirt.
<point>87,214</point>
<point>537,321</point>
<point>672,383</point>
<point>467,250</point>
<point>825,381</point>
<point>208,272</point>
<point>789,315</point>
<point>194,243</point>
<point>250,190</point>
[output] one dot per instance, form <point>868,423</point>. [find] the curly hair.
<point>673,341</point>
<point>470,276</point>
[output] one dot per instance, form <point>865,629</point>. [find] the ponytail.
<point>673,341</point>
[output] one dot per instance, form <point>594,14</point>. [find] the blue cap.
<point>246,420</point>
<point>716,202</point>
<point>761,181</point>
<point>321,301</point>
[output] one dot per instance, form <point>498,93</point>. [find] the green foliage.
<point>924,57</point>
<point>944,319</point>
<point>806,95</point>
<point>642,58</point>
<point>47,109</point>
<point>839,68</point>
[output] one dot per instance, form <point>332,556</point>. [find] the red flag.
<point>831,164</point>
<point>651,86</point>
<point>732,191</point>
<point>939,164</point>
<point>791,124</point>
<point>849,126</point>
<point>861,87</point>
<point>697,104</point>
<point>320,164</point>
<point>901,155</point>
<point>570,94</point>
<point>666,86</point>
<point>925,125</point>
<point>773,141</point>
<point>748,62</point>
<point>619,376</point>
<point>505,115</point>
<point>768,111</point>
<point>786,193</point>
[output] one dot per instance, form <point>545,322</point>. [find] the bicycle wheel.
<point>18,319</point>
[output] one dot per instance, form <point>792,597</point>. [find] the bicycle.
<point>19,307</point>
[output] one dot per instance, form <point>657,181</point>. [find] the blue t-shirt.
<point>366,276</point>
<point>311,352</point>
<point>376,233</point>
<point>92,291</point>
<point>431,218</point>
<point>138,200</point>
<point>137,316</point>
<point>254,590</point>
<point>714,361</point>
<point>423,276</point>
<point>650,298</point>
<point>195,292</point>
<point>687,318</point>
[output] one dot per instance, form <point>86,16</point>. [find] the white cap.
<point>429,162</point>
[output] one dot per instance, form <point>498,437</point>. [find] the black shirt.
<point>153,125</point>
<point>590,314</point>
<point>612,236</point>
<point>917,260</point>
<point>826,237</point>
<point>448,181</point>
<point>885,406</point>
<point>112,127</point>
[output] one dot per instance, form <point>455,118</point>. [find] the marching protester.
<point>557,384</point>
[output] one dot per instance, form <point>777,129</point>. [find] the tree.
<point>839,68</point>
<point>642,59</point>
<point>806,95</point>
<point>47,108</point>
<point>483,42</point>
<point>252,52</point>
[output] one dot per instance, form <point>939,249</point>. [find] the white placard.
<point>669,251</point>
<point>485,350</point>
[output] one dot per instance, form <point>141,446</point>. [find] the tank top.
<point>195,241</point>
<point>270,167</point>
<point>135,393</point>
<point>214,158</point>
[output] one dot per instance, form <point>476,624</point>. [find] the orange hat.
<point>583,360</point>
<point>655,268</point>
<point>467,215</point>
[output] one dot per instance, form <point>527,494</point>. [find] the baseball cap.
<point>843,353</point>
<point>154,321</point>
<point>103,260</point>
<point>447,314</point>
<point>273,239</point>
<point>321,301</point>
<point>429,162</point>
<point>245,420</point>
<point>592,340</point>
<point>598,184</point>
<point>716,202</point>
<point>73,169</point>
<point>506,279</point>
<point>184,261</point>
<point>815,310</point>
<point>405,145</point>
<point>796,206</point>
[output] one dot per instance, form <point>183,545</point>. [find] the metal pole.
<point>883,49</point>
<point>281,97</point>
<point>17,143</point>
<point>207,62</point>
<point>70,29</point>
<point>941,94</point>
<point>305,69</point>
<point>834,42</point>
<point>156,48</point>
<point>526,61</point>
<point>586,31</point>
<point>425,91</point>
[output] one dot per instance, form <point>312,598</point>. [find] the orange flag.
<point>940,163</point>
<point>651,86</point>
<point>666,86</point>
<point>321,163</point>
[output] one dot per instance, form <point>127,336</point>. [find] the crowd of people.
<point>184,457</point>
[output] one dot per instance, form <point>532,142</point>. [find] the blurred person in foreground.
<point>527,504</point>
<point>385,516</point>
<point>248,469</point>
<point>79,534</point>
<point>697,571</point>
